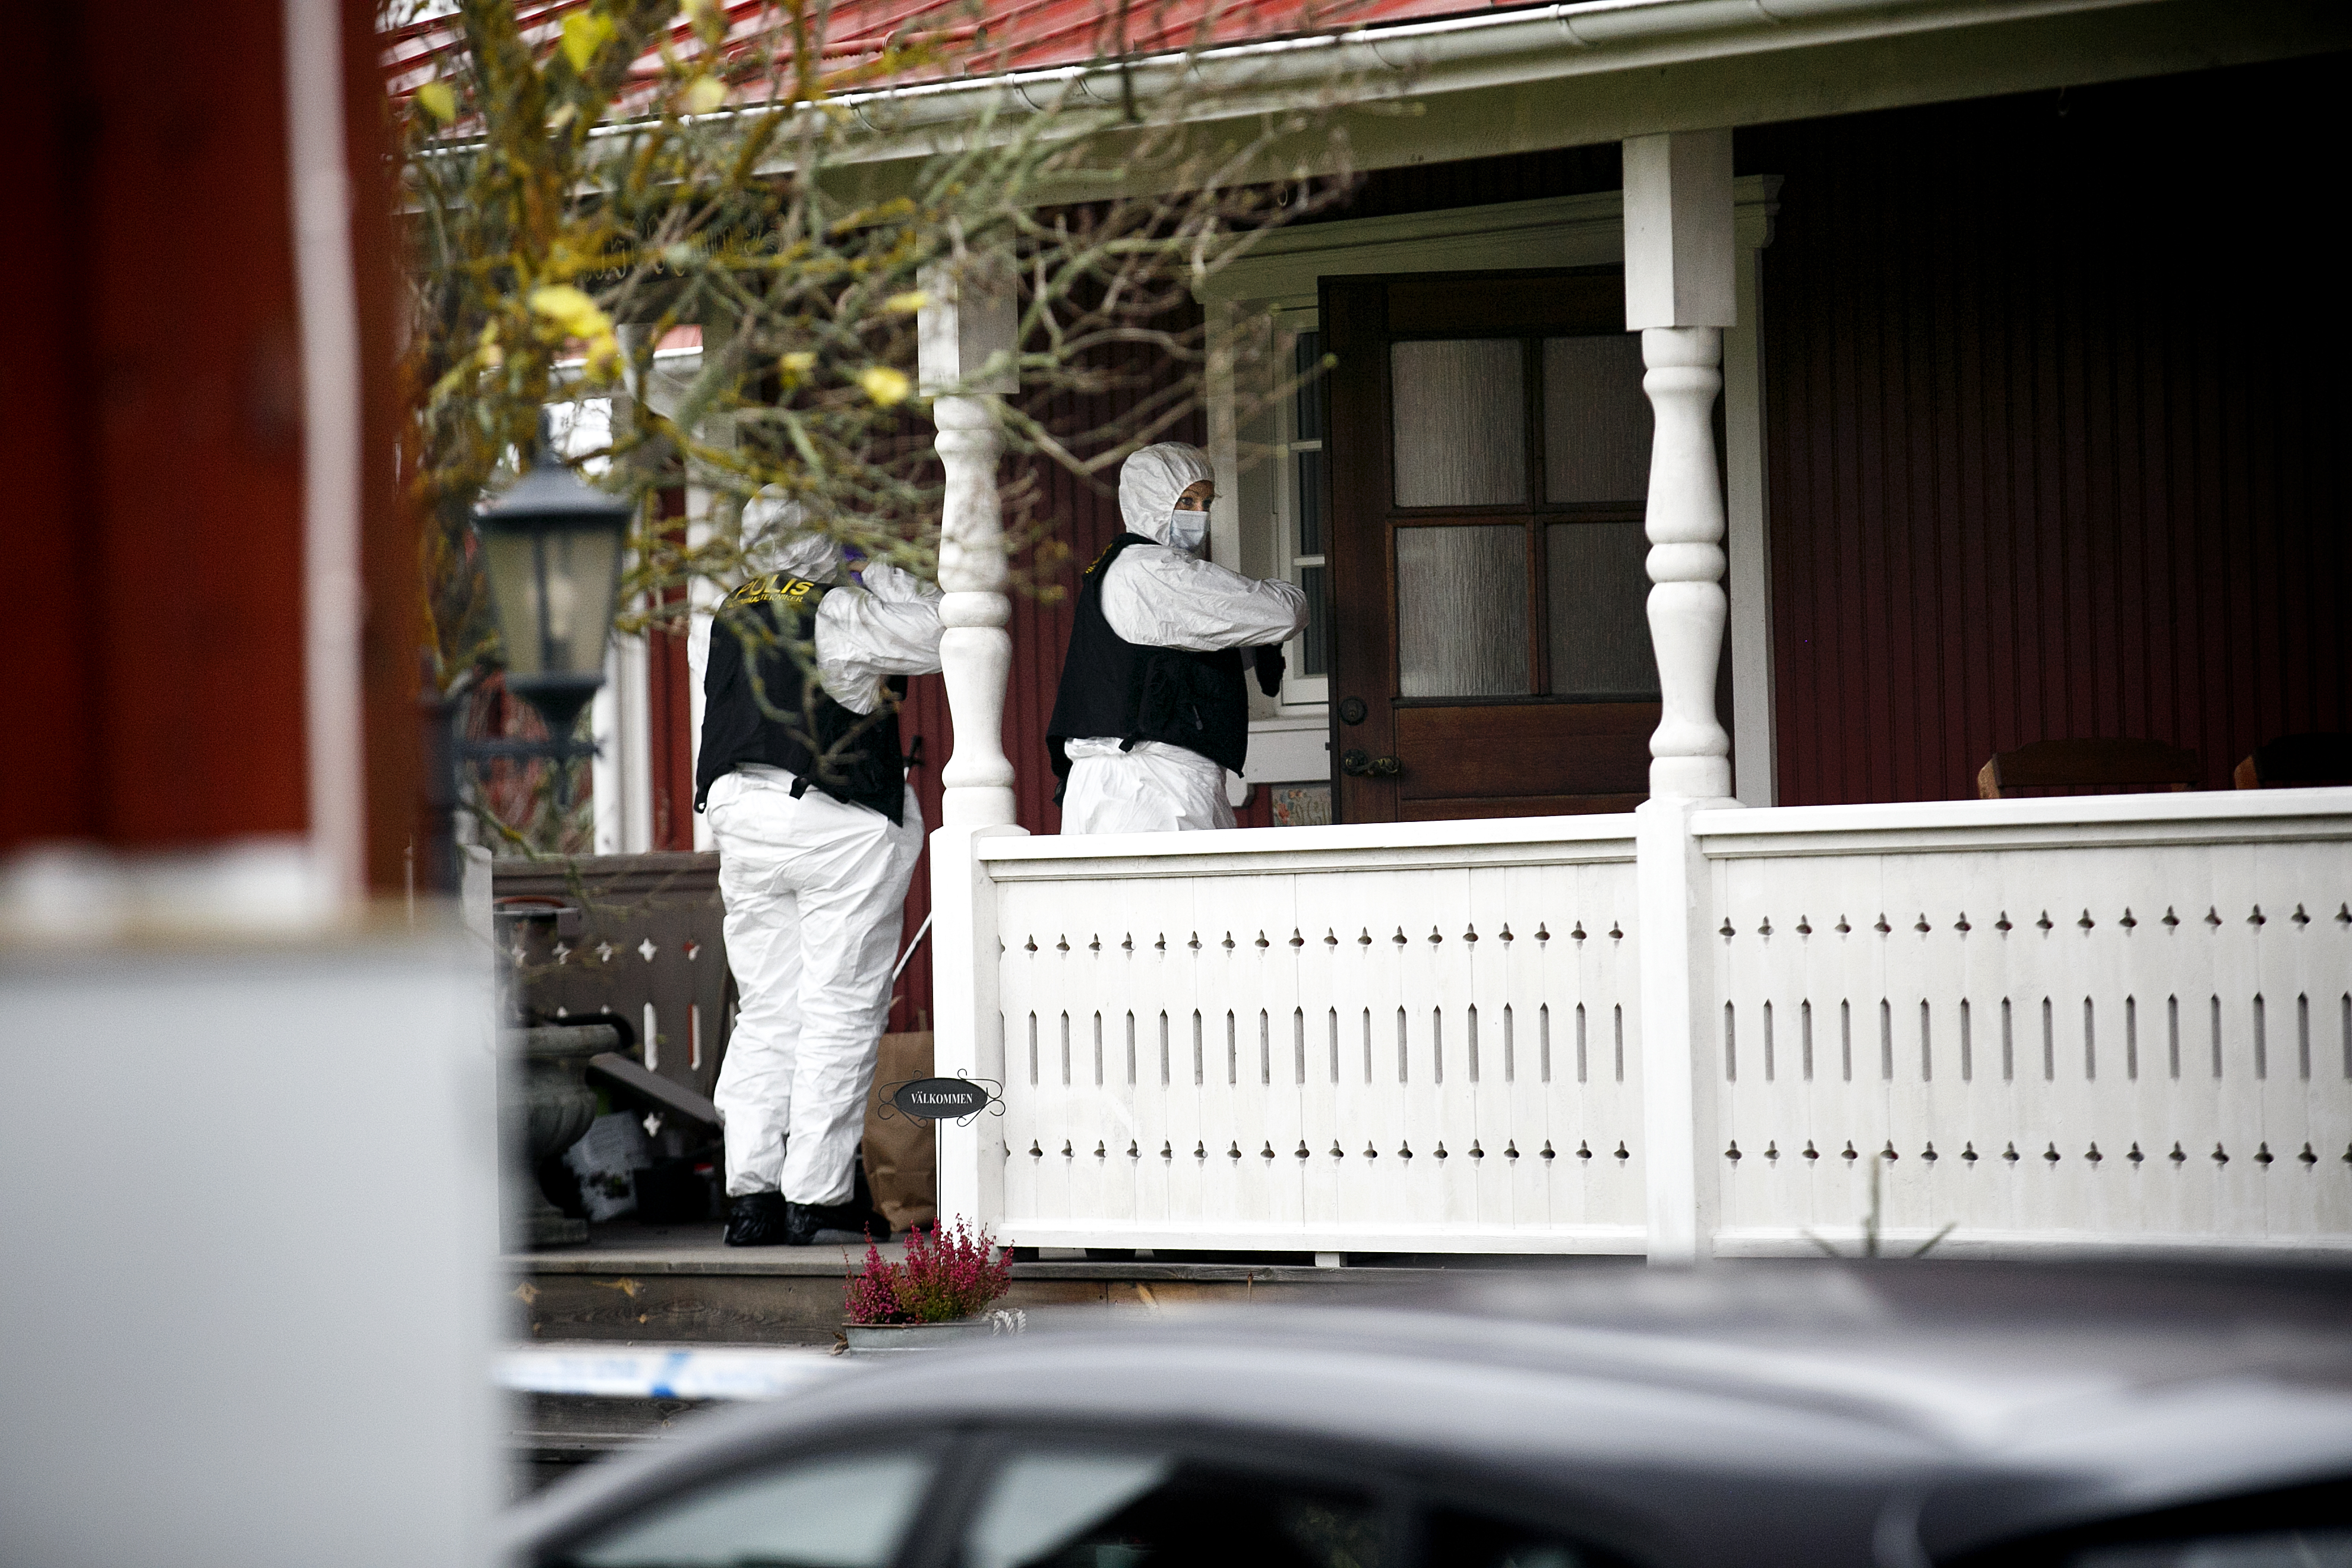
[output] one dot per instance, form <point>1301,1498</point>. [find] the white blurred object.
<point>259,1339</point>
<point>606,1160</point>
<point>69,892</point>
<point>672,1371</point>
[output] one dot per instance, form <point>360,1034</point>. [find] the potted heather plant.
<point>939,1294</point>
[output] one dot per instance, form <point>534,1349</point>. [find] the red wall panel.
<point>2051,403</point>
<point>154,439</point>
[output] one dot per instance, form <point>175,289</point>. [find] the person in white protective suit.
<point>817,832</point>
<point>1153,711</point>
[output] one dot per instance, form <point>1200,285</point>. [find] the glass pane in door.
<point>1315,649</point>
<point>1461,611</point>
<point>1307,419</point>
<point>1597,606</point>
<point>1459,411</point>
<point>1596,420</point>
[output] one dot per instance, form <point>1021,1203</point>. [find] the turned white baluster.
<point>1690,753</point>
<point>1679,297</point>
<point>969,323</point>
<point>975,651</point>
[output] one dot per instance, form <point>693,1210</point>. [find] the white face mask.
<point>1188,531</point>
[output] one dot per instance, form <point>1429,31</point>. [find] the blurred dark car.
<point>1895,1414</point>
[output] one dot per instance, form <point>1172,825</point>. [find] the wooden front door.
<point>1489,455</point>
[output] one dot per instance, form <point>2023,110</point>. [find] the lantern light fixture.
<point>552,550</point>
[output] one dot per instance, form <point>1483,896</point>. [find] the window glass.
<point>1461,611</point>
<point>845,1512</point>
<point>1315,654</point>
<point>1599,610</point>
<point>1310,502</point>
<point>1459,1540</point>
<point>1111,1511</point>
<point>2286,1549</point>
<point>1596,420</point>
<point>1459,422</point>
<point>1306,421</point>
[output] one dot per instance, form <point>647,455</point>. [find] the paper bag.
<point>901,1156</point>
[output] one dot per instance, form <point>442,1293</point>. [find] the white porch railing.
<point>2122,1021</point>
<point>1427,1037</point>
<point>1328,1039</point>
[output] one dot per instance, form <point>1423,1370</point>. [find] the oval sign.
<point>941,1098</point>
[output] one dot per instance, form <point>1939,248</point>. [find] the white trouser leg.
<point>813,890</point>
<point>852,908</point>
<point>754,1093</point>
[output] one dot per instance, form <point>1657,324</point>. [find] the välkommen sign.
<point>943,1099</point>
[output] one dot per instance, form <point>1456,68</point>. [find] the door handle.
<point>1357,764</point>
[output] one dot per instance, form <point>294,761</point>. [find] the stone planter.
<point>905,1339</point>
<point>545,1105</point>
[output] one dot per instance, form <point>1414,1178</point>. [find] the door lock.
<point>1352,711</point>
<point>1357,764</point>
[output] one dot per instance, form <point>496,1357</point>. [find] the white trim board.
<point>1283,271</point>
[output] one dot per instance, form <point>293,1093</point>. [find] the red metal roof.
<point>959,37</point>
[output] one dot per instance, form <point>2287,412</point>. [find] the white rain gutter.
<point>1496,48</point>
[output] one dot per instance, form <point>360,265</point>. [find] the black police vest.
<point>1111,687</point>
<point>852,757</point>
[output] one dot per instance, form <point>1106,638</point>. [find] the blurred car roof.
<point>1961,1404</point>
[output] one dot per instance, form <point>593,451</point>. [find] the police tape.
<point>656,1373</point>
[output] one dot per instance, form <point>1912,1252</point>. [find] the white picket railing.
<point>1426,1037</point>
<point>2117,1019</point>
<point>1327,1039</point>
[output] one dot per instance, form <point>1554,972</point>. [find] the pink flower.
<point>947,1274</point>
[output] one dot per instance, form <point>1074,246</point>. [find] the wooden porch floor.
<point>633,1284</point>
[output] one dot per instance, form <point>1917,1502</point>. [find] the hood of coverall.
<point>774,539</point>
<point>1150,482</point>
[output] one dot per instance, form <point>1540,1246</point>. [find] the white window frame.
<point>1277,285</point>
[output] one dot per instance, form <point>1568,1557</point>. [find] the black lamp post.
<point>552,550</point>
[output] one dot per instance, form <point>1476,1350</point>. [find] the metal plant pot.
<point>545,1105</point>
<point>905,1339</point>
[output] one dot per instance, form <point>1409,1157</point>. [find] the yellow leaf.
<point>795,365</point>
<point>907,303</point>
<point>604,354</point>
<point>584,32</point>
<point>572,310</point>
<point>562,117</point>
<point>706,95</point>
<point>439,101</point>
<point>886,386</point>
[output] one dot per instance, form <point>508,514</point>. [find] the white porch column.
<point>971,320</point>
<point>1679,297</point>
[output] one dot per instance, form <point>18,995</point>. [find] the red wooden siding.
<point>2056,389</point>
<point>669,716</point>
<point>153,442</point>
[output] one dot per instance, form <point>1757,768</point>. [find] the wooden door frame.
<point>1358,313</point>
<point>1282,273</point>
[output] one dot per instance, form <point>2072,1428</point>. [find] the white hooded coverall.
<point>814,889</point>
<point>1160,595</point>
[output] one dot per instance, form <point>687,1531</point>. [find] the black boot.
<point>831,1225</point>
<point>759,1220</point>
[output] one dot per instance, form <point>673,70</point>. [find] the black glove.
<point>1270,665</point>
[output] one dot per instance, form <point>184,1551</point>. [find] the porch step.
<point>681,1285</point>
